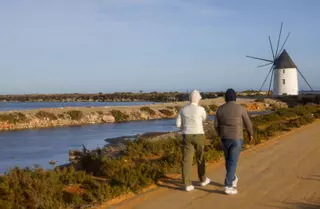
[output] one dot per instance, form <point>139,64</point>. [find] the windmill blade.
<point>304,79</point>
<point>264,65</point>
<point>270,81</point>
<point>279,38</point>
<point>271,47</point>
<point>258,58</point>
<point>266,78</point>
<point>284,43</point>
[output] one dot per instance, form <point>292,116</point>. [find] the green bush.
<point>286,112</point>
<point>43,115</point>
<point>309,118</point>
<point>75,114</point>
<point>271,117</point>
<point>119,116</point>
<point>167,112</point>
<point>14,118</point>
<point>36,188</point>
<point>148,110</point>
<point>303,110</point>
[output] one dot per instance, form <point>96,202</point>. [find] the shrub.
<point>148,110</point>
<point>14,118</point>
<point>36,188</point>
<point>271,117</point>
<point>294,123</point>
<point>167,112</point>
<point>43,115</point>
<point>75,114</point>
<point>213,107</point>
<point>302,110</point>
<point>285,112</point>
<point>119,116</point>
<point>170,108</point>
<point>212,155</point>
<point>317,114</point>
<point>178,108</point>
<point>207,109</point>
<point>308,118</point>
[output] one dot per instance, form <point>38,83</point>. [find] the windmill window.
<point>284,71</point>
<point>283,81</point>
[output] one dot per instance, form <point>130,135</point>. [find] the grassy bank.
<point>142,163</point>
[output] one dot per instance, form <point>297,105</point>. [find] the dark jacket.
<point>230,120</point>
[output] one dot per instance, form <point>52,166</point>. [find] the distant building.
<point>285,76</point>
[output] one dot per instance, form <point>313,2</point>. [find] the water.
<point>7,106</point>
<point>40,146</point>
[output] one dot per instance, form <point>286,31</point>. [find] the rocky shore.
<point>55,117</point>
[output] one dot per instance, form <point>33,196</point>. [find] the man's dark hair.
<point>230,95</point>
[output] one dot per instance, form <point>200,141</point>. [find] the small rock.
<point>108,119</point>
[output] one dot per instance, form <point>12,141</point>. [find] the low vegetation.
<point>213,107</point>
<point>75,114</point>
<point>148,110</point>
<point>46,115</point>
<point>119,116</point>
<point>13,118</point>
<point>167,112</point>
<point>207,109</point>
<point>178,108</point>
<point>142,163</point>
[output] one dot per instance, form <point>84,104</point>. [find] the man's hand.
<point>250,139</point>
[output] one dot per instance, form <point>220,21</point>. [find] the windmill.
<point>284,72</point>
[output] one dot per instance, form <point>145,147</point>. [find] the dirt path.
<point>282,173</point>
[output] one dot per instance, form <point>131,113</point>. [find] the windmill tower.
<point>284,72</point>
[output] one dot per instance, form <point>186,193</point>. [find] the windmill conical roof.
<point>284,61</point>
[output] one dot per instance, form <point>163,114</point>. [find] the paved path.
<point>282,173</point>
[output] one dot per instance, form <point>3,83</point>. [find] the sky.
<point>88,46</point>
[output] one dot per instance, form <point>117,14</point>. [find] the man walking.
<point>190,120</point>
<point>229,121</point>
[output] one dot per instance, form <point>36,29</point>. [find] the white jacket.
<point>191,116</point>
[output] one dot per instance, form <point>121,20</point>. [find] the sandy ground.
<point>281,173</point>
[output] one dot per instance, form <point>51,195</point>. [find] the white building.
<point>285,76</point>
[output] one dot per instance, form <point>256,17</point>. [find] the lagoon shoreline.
<point>72,116</point>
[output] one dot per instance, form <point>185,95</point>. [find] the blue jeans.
<point>231,149</point>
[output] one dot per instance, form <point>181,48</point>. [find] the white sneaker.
<point>189,188</point>
<point>230,190</point>
<point>235,182</point>
<point>206,182</point>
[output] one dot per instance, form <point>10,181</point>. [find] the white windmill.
<point>283,71</point>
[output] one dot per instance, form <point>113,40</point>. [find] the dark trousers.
<point>193,143</point>
<point>231,149</point>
